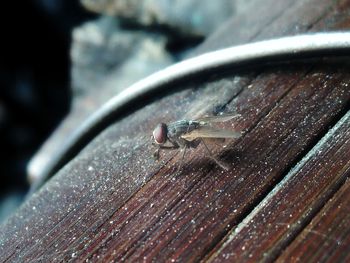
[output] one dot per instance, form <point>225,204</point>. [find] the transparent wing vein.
<point>206,131</point>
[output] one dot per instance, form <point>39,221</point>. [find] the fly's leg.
<point>213,158</point>
<point>182,158</point>
<point>156,154</point>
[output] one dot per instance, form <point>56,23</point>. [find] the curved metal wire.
<point>286,48</point>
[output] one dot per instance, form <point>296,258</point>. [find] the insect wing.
<point>218,118</point>
<point>206,131</point>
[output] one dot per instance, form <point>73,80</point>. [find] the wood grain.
<point>294,201</point>
<point>329,230</point>
<point>113,202</point>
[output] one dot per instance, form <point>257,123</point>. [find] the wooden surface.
<point>285,196</point>
<point>294,202</point>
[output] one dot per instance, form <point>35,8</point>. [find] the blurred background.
<point>34,84</point>
<point>62,59</point>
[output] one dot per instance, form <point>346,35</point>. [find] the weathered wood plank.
<point>205,202</point>
<point>152,209</point>
<point>113,202</point>
<point>86,193</point>
<point>327,237</point>
<point>289,207</point>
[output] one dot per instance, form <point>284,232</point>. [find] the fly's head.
<point>160,133</point>
<point>160,137</point>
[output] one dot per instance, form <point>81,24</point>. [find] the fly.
<point>186,134</point>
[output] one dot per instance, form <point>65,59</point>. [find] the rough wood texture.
<point>327,236</point>
<point>113,202</point>
<point>294,201</point>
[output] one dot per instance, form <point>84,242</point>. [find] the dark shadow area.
<point>34,82</point>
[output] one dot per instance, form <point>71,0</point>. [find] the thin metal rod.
<point>281,49</point>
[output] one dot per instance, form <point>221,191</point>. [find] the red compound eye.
<point>159,133</point>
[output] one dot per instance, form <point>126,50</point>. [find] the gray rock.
<point>196,17</point>
<point>100,48</point>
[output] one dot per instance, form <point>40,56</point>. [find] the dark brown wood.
<point>289,207</point>
<point>329,230</point>
<point>113,202</point>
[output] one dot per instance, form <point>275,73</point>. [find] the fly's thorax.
<point>178,128</point>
